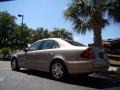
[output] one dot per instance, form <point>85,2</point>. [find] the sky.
<point>49,14</point>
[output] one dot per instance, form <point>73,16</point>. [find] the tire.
<point>14,65</point>
<point>58,71</point>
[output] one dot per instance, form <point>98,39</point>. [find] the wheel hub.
<point>57,70</point>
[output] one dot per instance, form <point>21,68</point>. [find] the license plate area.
<point>101,55</point>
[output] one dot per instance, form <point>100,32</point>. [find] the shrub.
<point>0,51</point>
<point>5,51</point>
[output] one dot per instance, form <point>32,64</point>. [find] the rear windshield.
<point>74,43</point>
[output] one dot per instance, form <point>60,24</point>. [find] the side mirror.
<point>25,49</point>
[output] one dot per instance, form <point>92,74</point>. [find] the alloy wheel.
<point>57,70</point>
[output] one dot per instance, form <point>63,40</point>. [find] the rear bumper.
<point>79,67</point>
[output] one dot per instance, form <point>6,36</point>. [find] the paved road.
<point>5,64</point>
<point>35,80</point>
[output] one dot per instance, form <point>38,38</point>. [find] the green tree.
<point>61,33</point>
<point>7,23</point>
<point>39,33</point>
<point>93,15</point>
<point>20,37</point>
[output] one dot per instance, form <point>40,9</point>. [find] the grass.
<point>0,51</point>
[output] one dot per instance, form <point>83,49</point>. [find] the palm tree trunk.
<point>97,37</point>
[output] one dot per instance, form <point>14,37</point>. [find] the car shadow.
<point>98,81</point>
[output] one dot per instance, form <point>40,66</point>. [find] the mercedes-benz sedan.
<point>60,58</point>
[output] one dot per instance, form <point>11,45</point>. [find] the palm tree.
<point>39,33</point>
<point>61,33</point>
<point>93,15</point>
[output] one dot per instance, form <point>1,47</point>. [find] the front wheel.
<point>14,65</point>
<point>58,70</point>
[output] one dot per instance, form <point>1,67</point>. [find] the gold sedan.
<point>60,58</point>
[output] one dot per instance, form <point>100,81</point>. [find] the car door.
<point>30,55</point>
<point>46,54</point>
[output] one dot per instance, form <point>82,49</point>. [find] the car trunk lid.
<point>99,52</point>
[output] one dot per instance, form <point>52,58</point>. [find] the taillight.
<point>88,54</point>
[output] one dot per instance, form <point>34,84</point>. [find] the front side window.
<point>35,46</point>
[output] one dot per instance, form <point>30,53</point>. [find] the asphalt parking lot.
<point>36,80</point>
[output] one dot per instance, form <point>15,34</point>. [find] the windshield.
<point>74,43</point>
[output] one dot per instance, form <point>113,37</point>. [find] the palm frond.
<point>81,26</point>
<point>114,10</point>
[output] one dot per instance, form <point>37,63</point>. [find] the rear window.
<point>74,43</point>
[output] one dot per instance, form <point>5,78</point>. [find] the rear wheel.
<point>14,65</point>
<point>58,70</point>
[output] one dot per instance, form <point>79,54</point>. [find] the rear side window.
<point>74,43</point>
<point>49,44</point>
<point>55,44</point>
